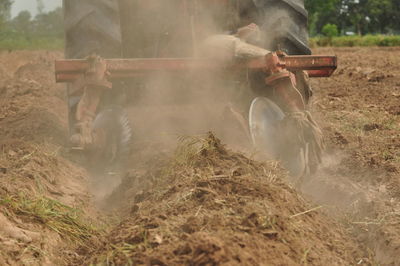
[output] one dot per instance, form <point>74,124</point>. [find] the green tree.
<point>369,16</point>
<point>330,30</point>
<point>49,24</point>
<point>40,6</point>
<point>380,15</point>
<point>322,12</point>
<point>22,22</point>
<point>355,14</point>
<point>5,12</point>
<point>360,16</point>
<point>394,23</point>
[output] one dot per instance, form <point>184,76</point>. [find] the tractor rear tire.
<point>92,26</point>
<point>284,25</point>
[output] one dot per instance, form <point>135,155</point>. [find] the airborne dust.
<point>200,203</point>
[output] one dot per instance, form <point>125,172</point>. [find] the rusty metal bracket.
<point>283,81</point>
<point>96,74</point>
<point>91,83</point>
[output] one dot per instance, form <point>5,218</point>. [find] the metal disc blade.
<point>114,136</point>
<point>264,117</point>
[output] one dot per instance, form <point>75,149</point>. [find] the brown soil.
<point>212,206</point>
<point>358,109</point>
<point>205,204</point>
<point>32,169</point>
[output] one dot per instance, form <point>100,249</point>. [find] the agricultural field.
<point>202,202</point>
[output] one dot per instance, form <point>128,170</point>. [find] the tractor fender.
<point>284,25</point>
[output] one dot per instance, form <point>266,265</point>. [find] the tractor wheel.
<point>284,25</point>
<point>112,134</point>
<point>92,26</point>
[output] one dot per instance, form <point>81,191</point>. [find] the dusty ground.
<point>205,204</point>
<point>358,109</point>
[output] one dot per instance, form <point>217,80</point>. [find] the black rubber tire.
<point>92,26</point>
<point>284,25</point>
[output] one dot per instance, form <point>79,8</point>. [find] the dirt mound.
<point>42,193</point>
<point>31,105</point>
<point>211,206</point>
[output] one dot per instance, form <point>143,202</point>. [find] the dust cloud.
<point>163,105</point>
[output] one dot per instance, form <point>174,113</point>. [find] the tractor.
<point>256,48</point>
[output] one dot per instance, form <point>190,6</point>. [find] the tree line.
<point>43,24</point>
<point>361,17</point>
<point>326,17</point>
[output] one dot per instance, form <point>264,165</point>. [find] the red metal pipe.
<point>70,70</point>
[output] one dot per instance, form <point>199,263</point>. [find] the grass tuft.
<point>191,147</point>
<point>65,220</point>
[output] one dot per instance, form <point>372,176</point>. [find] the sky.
<point>31,6</point>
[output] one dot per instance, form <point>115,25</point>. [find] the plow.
<point>89,77</point>
<point>275,70</point>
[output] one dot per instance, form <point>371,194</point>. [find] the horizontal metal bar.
<point>70,70</point>
<point>310,62</point>
<point>321,73</point>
